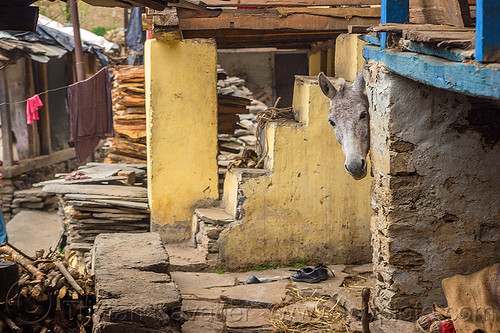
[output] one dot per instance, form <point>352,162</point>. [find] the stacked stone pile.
<point>33,198</point>
<point>107,198</point>
<point>134,291</point>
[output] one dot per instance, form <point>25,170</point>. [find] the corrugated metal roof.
<point>6,35</point>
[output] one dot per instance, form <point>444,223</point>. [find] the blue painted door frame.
<point>393,11</point>
<point>487,31</point>
<point>487,25</point>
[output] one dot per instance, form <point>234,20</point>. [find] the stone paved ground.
<point>220,303</point>
<point>32,230</point>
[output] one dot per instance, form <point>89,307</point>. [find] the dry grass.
<point>323,317</point>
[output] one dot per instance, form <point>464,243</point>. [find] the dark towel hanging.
<point>91,117</point>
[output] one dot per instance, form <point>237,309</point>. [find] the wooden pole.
<point>8,154</point>
<point>365,316</point>
<point>80,70</point>
<point>44,113</point>
<point>125,18</point>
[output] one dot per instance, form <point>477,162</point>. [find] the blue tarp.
<point>3,230</point>
<point>50,36</point>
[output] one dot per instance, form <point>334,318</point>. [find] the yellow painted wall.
<point>315,63</point>
<point>181,104</point>
<point>348,56</point>
<point>308,207</point>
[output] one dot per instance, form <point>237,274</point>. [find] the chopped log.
<point>130,175</point>
<point>130,72</point>
<point>124,159</point>
<point>10,324</point>
<point>60,266</point>
<point>21,260</point>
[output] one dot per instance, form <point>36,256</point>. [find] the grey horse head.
<point>348,114</point>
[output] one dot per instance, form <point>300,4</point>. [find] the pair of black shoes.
<point>312,275</point>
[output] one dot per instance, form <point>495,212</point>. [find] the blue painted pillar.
<point>488,30</point>
<point>393,11</point>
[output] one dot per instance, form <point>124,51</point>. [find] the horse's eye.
<point>362,115</point>
<point>331,122</point>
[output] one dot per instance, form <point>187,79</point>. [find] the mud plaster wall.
<point>436,190</point>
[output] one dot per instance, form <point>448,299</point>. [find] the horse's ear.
<point>359,83</point>
<point>326,86</point>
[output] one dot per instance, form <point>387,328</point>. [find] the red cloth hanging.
<point>32,105</point>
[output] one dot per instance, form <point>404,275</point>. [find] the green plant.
<point>219,271</point>
<point>297,264</point>
<point>99,30</point>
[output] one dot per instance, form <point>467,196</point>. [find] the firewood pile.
<point>128,95</point>
<point>237,121</point>
<point>103,198</point>
<point>43,293</point>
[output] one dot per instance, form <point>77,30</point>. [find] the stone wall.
<point>25,180</point>
<point>435,196</point>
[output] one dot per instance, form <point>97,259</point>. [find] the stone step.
<point>134,292</point>
<point>185,258</point>
<point>214,216</point>
<point>207,225</point>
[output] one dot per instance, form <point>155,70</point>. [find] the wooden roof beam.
<point>274,20</point>
<point>288,3</point>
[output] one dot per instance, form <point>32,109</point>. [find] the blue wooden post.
<point>393,11</point>
<point>488,30</point>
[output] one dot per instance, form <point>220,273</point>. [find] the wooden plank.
<point>357,29</point>
<point>430,49</point>
<point>109,190</point>
<point>38,162</point>
<point>467,78</point>
<point>345,12</point>
<point>189,4</point>
<point>272,21</point>
<point>487,31</point>
<point>263,38</point>
<point>45,140</point>
<point>452,12</point>
<point>397,11</point>
<point>439,36</point>
<point>8,154</point>
<point>34,135</point>
<point>399,27</point>
<point>287,3</point>
<point>18,18</point>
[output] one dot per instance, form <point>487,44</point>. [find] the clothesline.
<point>49,90</point>
<point>41,93</point>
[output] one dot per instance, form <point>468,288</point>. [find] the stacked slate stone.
<point>6,196</point>
<point>107,198</point>
<point>134,291</point>
<point>33,198</point>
